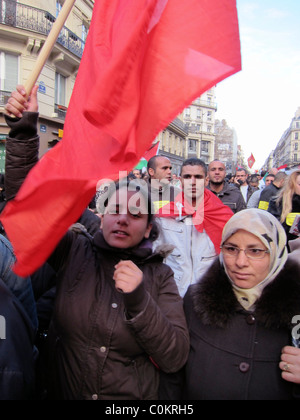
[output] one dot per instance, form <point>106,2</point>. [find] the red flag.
<point>152,151</point>
<point>211,215</point>
<point>143,63</point>
<point>251,161</point>
<point>282,167</point>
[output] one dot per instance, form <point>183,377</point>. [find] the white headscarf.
<point>271,233</point>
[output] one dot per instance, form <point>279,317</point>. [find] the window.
<point>84,30</point>
<point>193,145</point>
<point>295,157</point>
<point>59,5</point>
<point>187,112</point>
<point>9,69</point>
<point>204,146</point>
<point>296,136</point>
<point>209,114</point>
<point>60,89</point>
<point>199,113</point>
<point>296,146</point>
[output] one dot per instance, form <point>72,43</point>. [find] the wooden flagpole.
<point>48,45</point>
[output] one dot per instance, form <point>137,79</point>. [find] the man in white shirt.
<point>193,226</point>
<point>246,189</point>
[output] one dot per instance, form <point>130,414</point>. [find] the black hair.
<point>135,185</point>
<point>195,162</point>
<point>152,163</point>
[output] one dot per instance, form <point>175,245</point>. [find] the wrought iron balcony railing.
<point>30,18</point>
<point>4,96</point>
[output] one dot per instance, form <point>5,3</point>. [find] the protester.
<point>287,205</point>
<point>193,225</point>
<point>240,319</point>
<point>255,197</point>
<point>176,181</point>
<point>261,184</point>
<point>227,193</point>
<point>246,189</point>
<point>253,181</point>
<point>117,307</point>
<point>271,189</point>
<point>18,325</point>
<point>137,173</point>
<point>160,176</point>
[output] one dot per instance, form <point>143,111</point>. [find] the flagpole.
<point>48,45</point>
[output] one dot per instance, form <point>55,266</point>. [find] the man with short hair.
<point>271,190</point>
<point>137,173</point>
<point>227,193</point>
<point>160,175</point>
<point>255,197</point>
<point>192,225</point>
<point>244,187</point>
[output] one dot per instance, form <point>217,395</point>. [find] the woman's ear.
<point>148,231</point>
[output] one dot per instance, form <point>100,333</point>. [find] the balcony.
<point>60,111</point>
<point>21,16</point>
<point>4,96</point>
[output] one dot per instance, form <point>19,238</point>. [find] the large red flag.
<point>143,63</point>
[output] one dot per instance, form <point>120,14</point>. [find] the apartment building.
<point>24,27</point>
<point>199,119</point>
<point>226,145</point>
<point>287,151</point>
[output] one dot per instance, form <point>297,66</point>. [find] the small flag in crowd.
<point>144,61</point>
<point>251,161</point>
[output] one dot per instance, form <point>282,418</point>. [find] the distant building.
<point>199,119</point>
<point>287,151</point>
<point>173,143</point>
<point>226,145</point>
<point>24,27</point>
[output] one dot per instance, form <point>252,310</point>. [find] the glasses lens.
<point>255,254</point>
<point>230,250</point>
<point>252,253</point>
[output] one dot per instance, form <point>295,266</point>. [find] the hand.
<point>18,102</point>
<point>290,364</point>
<point>127,276</point>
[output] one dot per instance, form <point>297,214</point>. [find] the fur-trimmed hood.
<point>215,303</point>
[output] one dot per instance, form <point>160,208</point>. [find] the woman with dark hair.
<point>118,318</point>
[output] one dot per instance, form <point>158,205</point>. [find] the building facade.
<point>173,143</point>
<point>199,119</point>
<point>24,27</point>
<point>287,151</point>
<point>226,145</point>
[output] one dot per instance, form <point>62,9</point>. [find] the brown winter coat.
<point>104,344</point>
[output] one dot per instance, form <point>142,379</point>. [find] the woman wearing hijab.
<point>240,317</point>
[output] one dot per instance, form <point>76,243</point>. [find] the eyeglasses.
<point>251,253</point>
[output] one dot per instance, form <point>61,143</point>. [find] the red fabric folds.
<point>143,63</point>
<point>211,215</point>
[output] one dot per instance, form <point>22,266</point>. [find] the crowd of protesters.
<point>189,294</point>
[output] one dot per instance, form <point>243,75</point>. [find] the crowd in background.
<point>189,293</point>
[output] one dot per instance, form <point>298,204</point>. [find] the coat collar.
<point>139,254</point>
<point>215,303</point>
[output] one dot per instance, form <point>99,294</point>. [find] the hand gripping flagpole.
<point>48,45</point>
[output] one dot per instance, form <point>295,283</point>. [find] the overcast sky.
<point>261,100</point>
